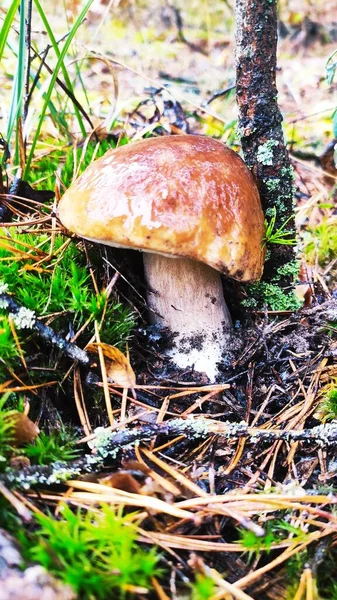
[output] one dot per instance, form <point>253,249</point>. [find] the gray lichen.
<point>24,318</point>
<point>265,153</point>
<point>272,184</point>
<point>3,287</point>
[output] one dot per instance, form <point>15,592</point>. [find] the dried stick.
<point>108,444</point>
<point>26,319</point>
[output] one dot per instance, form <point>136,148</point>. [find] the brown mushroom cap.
<point>185,195</point>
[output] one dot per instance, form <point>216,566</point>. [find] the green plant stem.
<point>48,94</point>
<point>63,67</point>
<point>9,18</point>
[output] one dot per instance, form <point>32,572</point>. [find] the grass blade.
<point>5,29</point>
<point>17,94</point>
<point>48,94</point>
<point>63,67</point>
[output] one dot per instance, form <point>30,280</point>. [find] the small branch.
<point>26,319</point>
<point>108,444</point>
<point>5,211</point>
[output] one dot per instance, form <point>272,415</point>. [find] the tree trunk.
<point>260,121</point>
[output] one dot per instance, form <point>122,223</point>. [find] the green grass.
<point>70,161</point>
<point>320,242</point>
<point>13,46</point>
<point>278,235</point>
<point>6,431</point>
<point>203,588</point>
<point>96,553</point>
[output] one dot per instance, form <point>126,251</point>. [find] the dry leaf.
<point>19,462</point>
<point>25,430</point>
<point>118,365</point>
<point>122,481</point>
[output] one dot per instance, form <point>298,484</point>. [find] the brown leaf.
<point>19,462</point>
<point>122,481</point>
<point>25,430</point>
<point>118,365</point>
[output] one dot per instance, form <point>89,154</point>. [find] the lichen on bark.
<point>260,120</point>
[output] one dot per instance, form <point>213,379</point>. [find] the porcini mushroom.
<point>192,206</point>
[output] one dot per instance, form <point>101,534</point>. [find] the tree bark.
<point>260,120</point>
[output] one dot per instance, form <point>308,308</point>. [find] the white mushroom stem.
<point>187,297</point>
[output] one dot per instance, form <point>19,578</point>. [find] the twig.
<point>5,211</point>
<point>108,444</point>
<point>26,319</point>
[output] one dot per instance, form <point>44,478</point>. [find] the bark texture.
<point>260,119</point>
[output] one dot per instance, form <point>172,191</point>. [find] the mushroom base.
<point>187,297</point>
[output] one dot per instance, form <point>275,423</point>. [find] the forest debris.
<point>17,504</point>
<point>107,445</point>
<point>96,492</point>
<point>24,430</point>
<point>25,318</point>
<point>118,366</point>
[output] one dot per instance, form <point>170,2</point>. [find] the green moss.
<point>328,407</point>
<point>56,285</point>
<point>6,431</point>
<point>274,531</point>
<point>8,349</point>
<point>272,296</point>
<point>203,588</point>
<point>94,552</point>
<point>291,270</point>
<point>52,447</point>
<point>59,284</point>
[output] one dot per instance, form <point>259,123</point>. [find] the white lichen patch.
<point>198,426</point>
<point>62,474</point>
<point>265,152</point>
<point>24,318</point>
<point>59,474</point>
<point>3,303</point>
<point>3,287</point>
<point>273,184</point>
<point>102,442</point>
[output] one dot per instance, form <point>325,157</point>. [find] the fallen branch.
<point>107,445</point>
<point>25,318</point>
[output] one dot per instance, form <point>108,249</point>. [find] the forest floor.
<point>179,489</point>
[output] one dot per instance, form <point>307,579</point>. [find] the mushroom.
<point>192,206</point>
